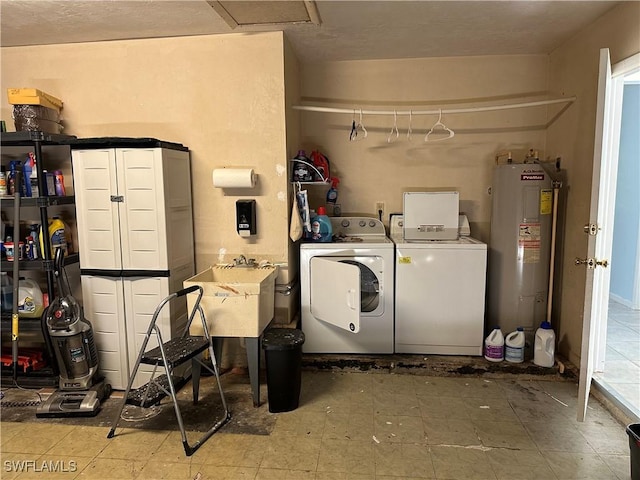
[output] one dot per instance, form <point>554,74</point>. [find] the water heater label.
<point>529,243</point>
<point>546,202</point>
<point>532,176</point>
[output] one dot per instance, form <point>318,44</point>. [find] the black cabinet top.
<point>125,142</point>
<point>27,138</point>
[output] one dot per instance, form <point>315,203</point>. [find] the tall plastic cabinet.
<point>135,230</point>
<point>52,152</point>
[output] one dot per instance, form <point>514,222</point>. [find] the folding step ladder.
<point>169,355</point>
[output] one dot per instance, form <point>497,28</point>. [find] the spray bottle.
<point>332,194</point>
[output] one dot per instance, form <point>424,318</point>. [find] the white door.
<point>335,293</point>
<point>599,229</point>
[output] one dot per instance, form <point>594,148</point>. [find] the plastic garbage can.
<point>283,356</point>
<point>634,445</point>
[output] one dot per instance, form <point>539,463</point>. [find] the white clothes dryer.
<point>440,293</point>
<point>347,289</point>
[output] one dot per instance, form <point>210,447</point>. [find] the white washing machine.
<point>440,293</point>
<point>347,289</point>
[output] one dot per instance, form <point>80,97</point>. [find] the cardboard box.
<point>33,96</point>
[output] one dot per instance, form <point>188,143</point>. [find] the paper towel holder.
<point>228,177</point>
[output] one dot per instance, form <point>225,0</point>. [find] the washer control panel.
<point>357,226</point>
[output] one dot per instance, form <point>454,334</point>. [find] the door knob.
<point>591,263</point>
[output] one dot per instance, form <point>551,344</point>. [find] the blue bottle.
<point>26,172</point>
<point>332,194</point>
<point>321,230</point>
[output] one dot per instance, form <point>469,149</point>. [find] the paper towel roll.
<point>234,178</point>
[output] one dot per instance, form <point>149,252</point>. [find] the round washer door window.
<point>369,287</point>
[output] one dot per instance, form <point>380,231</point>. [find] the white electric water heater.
<point>520,248</point>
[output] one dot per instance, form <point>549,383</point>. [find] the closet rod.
<point>351,111</point>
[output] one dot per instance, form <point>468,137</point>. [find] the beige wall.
<point>573,70</point>
<point>222,96</point>
<point>375,170</point>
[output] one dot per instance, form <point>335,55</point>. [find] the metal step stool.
<point>169,355</point>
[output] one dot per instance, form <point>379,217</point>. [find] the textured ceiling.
<point>350,30</point>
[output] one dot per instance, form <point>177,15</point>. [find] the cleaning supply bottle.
<point>33,177</point>
<point>3,182</point>
<point>6,285</point>
<point>12,177</point>
<point>544,346</point>
<point>494,346</point>
<point>26,172</point>
<point>302,168</point>
<point>514,346</point>
<point>321,230</point>
<point>30,299</point>
<point>57,236</point>
<point>332,194</point>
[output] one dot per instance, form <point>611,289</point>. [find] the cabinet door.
<point>103,300</point>
<point>142,297</point>
<point>95,183</point>
<point>142,218</point>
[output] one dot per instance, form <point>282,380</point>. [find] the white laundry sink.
<point>237,301</point>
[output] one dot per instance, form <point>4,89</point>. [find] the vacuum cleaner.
<point>81,388</point>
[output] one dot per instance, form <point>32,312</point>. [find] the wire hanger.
<point>439,126</point>
<point>357,127</point>
<point>394,129</point>
<point>409,131</point>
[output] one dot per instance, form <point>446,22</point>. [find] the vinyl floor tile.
<point>360,426</point>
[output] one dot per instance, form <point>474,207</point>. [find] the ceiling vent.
<point>251,13</point>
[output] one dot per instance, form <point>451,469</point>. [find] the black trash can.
<point>634,445</point>
<point>283,355</point>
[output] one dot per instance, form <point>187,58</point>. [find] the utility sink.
<point>238,301</point>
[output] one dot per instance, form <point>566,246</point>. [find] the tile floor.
<point>621,376</point>
<point>358,426</point>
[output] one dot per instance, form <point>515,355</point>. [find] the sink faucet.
<point>242,261</point>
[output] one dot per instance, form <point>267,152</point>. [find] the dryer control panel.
<point>357,226</point>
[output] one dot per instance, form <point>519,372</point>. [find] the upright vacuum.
<point>81,388</point>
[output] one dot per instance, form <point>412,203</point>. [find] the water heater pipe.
<point>554,222</point>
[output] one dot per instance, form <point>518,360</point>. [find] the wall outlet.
<point>380,209</point>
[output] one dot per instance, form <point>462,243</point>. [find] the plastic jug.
<point>30,299</point>
<point>321,230</point>
<point>494,346</point>
<point>544,346</point>
<point>514,346</point>
<point>7,292</point>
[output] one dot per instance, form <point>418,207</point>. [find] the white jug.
<point>544,346</point>
<point>494,346</point>
<point>514,346</point>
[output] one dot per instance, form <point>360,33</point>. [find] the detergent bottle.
<point>30,299</point>
<point>544,346</point>
<point>302,168</point>
<point>57,235</point>
<point>321,230</point>
<point>321,171</point>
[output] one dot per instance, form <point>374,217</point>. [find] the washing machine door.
<point>335,293</point>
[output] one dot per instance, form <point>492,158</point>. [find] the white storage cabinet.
<point>135,225</point>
